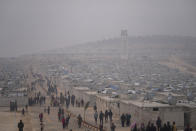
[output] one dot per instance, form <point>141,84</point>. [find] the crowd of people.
<point>38,99</point>
<point>158,127</point>
<point>103,116</point>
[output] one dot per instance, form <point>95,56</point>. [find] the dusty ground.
<point>175,62</point>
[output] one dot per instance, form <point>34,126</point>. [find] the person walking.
<point>101,118</point>
<point>174,126</point>
<point>128,120</point>
<point>42,126</point>
<point>63,122</point>
<point>79,121</point>
<point>188,128</point>
<point>123,118</point>
<point>152,127</point>
<point>106,115</point>
<point>95,107</point>
<point>59,116</point>
<point>41,117</point>
<point>100,127</point>
<point>20,125</point>
<point>168,126</point>
<point>158,123</point>
<point>23,111</point>
<point>135,127</point>
<point>110,115</point>
<point>96,116</point>
<point>67,121</point>
<point>26,106</point>
<point>164,127</point>
<point>142,128</point>
<point>48,110</point>
<point>148,126</point>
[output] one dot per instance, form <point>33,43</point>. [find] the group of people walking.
<point>157,127</point>
<point>63,118</point>
<point>125,119</point>
<point>103,116</point>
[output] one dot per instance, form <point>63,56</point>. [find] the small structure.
<point>182,114</point>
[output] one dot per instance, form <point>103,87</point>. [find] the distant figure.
<point>188,128</point>
<point>153,128</point>
<point>82,102</point>
<point>142,128</point>
<point>79,121</point>
<point>134,128</point>
<point>164,127</point>
<point>63,122</point>
<point>112,127</point>
<point>148,126</point>
<point>41,117</point>
<point>95,107</point>
<point>100,127</point>
<point>101,118</point>
<point>128,118</point>
<point>106,115</point>
<point>41,126</point>
<point>67,121</point>
<point>23,111</point>
<point>26,107</point>
<point>174,126</point>
<point>158,123</point>
<point>20,125</point>
<point>96,116</point>
<point>123,118</point>
<point>48,110</point>
<point>59,116</point>
<point>110,115</point>
<point>168,126</point>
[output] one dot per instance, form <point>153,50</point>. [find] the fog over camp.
<point>97,65</point>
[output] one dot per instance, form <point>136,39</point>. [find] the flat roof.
<point>107,98</point>
<point>145,103</point>
<point>91,92</point>
<point>81,88</point>
<point>157,104</point>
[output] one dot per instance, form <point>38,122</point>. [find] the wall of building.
<point>89,97</point>
<point>145,114</point>
<point>193,119</point>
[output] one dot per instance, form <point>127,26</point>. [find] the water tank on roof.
<point>190,96</point>
<point>171,100</point>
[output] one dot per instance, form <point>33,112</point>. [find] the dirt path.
<point>175,62</point>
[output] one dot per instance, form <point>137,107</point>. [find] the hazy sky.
<point>28,26</point>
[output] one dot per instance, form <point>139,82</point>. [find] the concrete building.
<point>146,111</point>
<point>149,111</point>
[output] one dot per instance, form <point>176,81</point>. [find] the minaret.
<point>124,43</point>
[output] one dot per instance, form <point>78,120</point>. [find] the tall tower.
<point>124,43</point>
